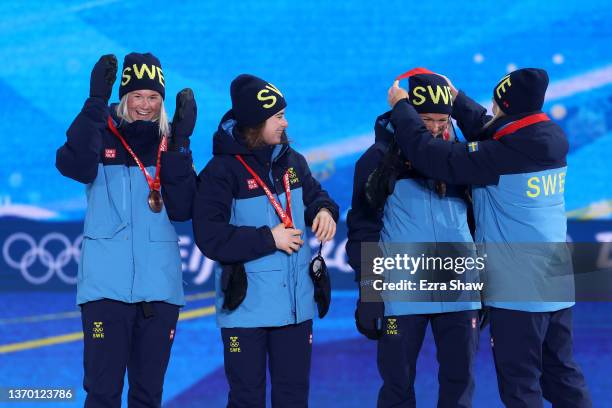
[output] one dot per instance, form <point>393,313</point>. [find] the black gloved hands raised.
<point>103,77</point>
<point>184,120</point>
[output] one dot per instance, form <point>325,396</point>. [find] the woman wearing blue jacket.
<point>130,285</point>
<point>516,163</point>
<point>418,213</point>
<point>254,199</point>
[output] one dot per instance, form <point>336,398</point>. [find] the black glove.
<point>322,285</point>
<point>103,76</point>
<point>369,318</point>
<point>184,119</point>
<point>322,295</point>
<point>234,285</point>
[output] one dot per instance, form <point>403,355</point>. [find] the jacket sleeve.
<point>454,163</point>
<point>470,116</point>
<point>364,223</point>
<point>314,196</point>
<point>214,235</point>
<point>78,158</point>
<point>178,180</point>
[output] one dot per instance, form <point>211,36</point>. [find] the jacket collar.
<point>141,135</point>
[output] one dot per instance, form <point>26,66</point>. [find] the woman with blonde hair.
<point>138,175</point>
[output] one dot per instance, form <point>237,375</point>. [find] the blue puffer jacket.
<point>129,253</point>
<point>518,191</point>
<point>413,213</point>
<point>232,218</point>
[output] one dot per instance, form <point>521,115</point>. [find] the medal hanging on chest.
<point>154,199</point>
<point>284,215</point>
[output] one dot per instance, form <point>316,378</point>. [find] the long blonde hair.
<point>162,119</point>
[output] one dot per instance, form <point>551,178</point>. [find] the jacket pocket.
<point>163,259</point>
<point>162,233</point>
<point>103,219</point>
<point>268,263</point>
<point>101,231</point>
<point>106,267</point>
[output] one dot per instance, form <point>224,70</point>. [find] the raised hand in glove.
<point>103,77</point>
<point>184,119</point>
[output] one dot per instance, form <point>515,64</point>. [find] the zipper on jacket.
<point>291,259</point>
<point>132,237</point>
<point>123,199</point>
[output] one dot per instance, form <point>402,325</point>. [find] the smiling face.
<point>436,123</point>
<point>274,128</point>
<point>144,104</point>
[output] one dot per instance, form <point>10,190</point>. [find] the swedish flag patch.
<point>472,147</point>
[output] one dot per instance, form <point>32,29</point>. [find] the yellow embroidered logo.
<point>234,345</point>
<point>152,72</point>
<point>98,330</point>
<point>265,96</point>
<point>293,178</point>
<point>502,85</point>
<point>392,327</point>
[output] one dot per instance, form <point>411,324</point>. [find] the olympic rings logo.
<point>39,252</point>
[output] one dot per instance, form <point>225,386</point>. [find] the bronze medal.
<point>155,201</point>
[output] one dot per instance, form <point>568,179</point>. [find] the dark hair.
<point>253,136</point>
